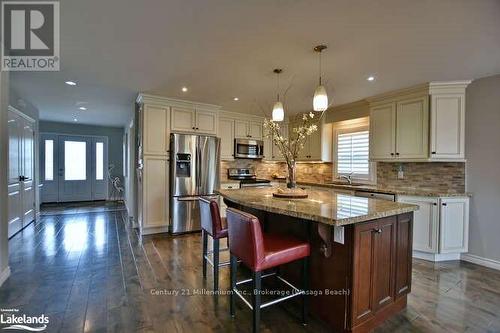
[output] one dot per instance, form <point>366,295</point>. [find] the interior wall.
<point>114,134</point>
<point>4,256</point>
<point>482,127</point>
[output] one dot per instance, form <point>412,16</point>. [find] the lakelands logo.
<point>30,35</point>
<point>12,320</point>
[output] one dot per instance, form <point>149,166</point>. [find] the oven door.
<point>244,148</point>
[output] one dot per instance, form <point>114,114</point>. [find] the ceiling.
<point>221,49</point>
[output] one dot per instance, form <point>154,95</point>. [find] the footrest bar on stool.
<point>296,292</point>
<point>225,263</point>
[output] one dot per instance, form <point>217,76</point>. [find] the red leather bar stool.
<point>212,224</point>
<point>260,251</point>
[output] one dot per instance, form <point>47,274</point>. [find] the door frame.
<point>94,183</point>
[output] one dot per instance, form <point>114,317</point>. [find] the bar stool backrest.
<point>245,237</point>
<point>210,218</point>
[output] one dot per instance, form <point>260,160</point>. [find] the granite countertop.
<point>321,206</point>
<point>378,189</point>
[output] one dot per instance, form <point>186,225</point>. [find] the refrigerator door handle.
<point>189,199</point>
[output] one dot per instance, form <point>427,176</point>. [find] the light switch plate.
<point>338,234</point>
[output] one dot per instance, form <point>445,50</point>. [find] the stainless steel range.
<point>247,177</point>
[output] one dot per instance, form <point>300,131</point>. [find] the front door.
<point>74,172</point>
<point>73,168</point>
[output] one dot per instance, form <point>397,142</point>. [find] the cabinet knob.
<point>392,154</point>
<point>378,231</point>
<point>193,127</point>
<point>435,204</point>
<point>433,152</point>
<point>397,154</point>
<point>444,204</point>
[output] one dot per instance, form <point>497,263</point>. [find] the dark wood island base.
<point>356,285</point>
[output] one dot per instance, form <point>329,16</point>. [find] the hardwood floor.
<point>90,272</point>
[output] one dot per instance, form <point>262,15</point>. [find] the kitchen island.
<point>361,250</point>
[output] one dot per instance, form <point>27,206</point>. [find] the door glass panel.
<point>75,160</point>
<point>49,159</point>
<point>99,161</point>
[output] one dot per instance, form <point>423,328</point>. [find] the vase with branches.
<point>291,145</point>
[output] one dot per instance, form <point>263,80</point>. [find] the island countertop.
<point>326,207</point>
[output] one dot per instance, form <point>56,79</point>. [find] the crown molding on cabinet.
<point>167,101</point>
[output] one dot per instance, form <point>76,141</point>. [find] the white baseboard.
<point>490,263</point>
<point>436,257</point>
<point>4,275</point>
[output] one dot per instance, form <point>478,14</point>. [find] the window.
<point>49,159</point>
<point>352,153</point>
<point>99,161</point>
<point>75,160</point>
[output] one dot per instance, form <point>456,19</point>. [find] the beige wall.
<point>483,166</point>
<point>4,257</point>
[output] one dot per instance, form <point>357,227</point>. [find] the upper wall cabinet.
<point>155,131</point>
<point>447,121</point>
<point>318,146</point>
<point>424,123</point>
<point>193,120</point>
<point>237,126</point>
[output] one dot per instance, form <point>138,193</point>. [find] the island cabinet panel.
<point>404,252</point>
<point>374,260</point>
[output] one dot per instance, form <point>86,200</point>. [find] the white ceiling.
<point>220,49</point>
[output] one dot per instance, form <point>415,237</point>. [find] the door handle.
<point>378,231</point>
<point>188,199</point>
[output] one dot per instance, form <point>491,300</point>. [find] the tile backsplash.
<point>435,176</point>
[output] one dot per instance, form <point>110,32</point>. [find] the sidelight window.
<point>99,161</point>
<point>49,159</point>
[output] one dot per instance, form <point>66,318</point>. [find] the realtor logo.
<point>30,35</point>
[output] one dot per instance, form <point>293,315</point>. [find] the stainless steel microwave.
<point>245,148</point>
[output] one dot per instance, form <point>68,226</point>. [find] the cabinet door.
<point>226,134</point>
<point>382,132</point>
<point>447,126</point>
<point>183,120</point>
<point>412,128</point>
<point>155,130</point>
<point>426,226</point>
<point>364,244</point>
<point>403,255</point>
<point>206,122</point>
<point>384,259</point>
<point>155,192</point>
<point>268,145</point>
<point>255,130</point>
<point>454,226</point>
<point>314,145</point>
<point>241,129</point>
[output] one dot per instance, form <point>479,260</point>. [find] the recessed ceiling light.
<point>75,120</point>
<point>83,108</point>
<point>370,78</point>
<point>236,99</point>
<point>184,89</point>
<point>70,83</point>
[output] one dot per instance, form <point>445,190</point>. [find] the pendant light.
<point>320,100</point>
<point>278,110</point>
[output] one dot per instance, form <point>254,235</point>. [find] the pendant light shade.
<point>278,111</point>
<point>320,100</point>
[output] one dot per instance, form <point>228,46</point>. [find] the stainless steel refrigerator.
<point>194,173</point>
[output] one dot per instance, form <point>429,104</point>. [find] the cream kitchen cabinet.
<point>423,123</point>
<point>155,131</point>
<point>226,135</point>
<point>244,129</point>
<point>412,128</point>
<point>318,146</point>
<point>447,120</point>
<point>193,120</point>
<point>399,129</point>
<point>441,227</point>
<point>274,152</point>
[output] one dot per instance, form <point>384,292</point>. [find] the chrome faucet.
<point>348,178</point>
